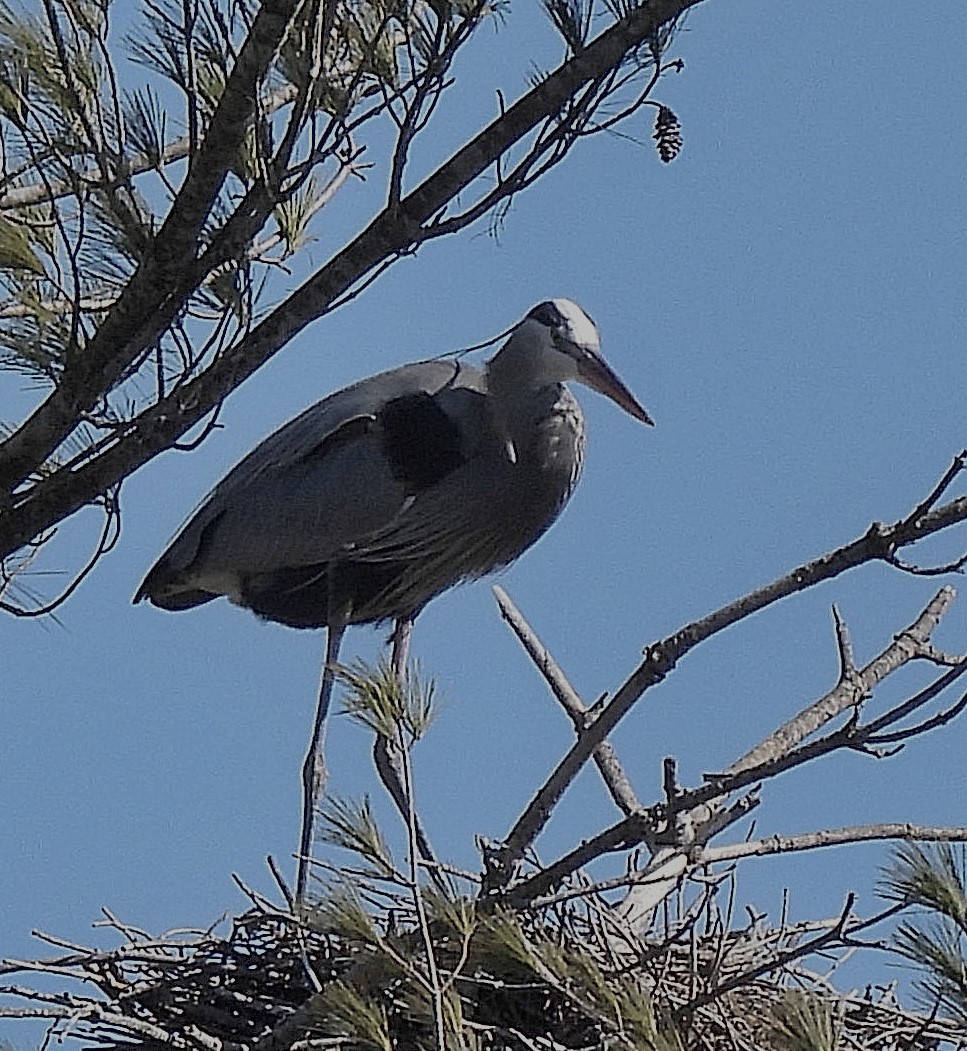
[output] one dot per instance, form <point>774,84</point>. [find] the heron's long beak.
<point>599,376</point>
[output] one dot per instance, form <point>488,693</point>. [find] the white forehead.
<point>581,328</point>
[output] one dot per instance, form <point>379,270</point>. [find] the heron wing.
<point>321,483</point>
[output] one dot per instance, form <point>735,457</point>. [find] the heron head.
<point>564,345</point>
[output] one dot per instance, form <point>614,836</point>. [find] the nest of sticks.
<point>346,976</point>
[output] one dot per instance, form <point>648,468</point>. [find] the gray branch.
<point>854,685</point>
<point>607,762</point>
<point>879,543</point>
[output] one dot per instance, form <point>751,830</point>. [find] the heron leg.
<point>314,770</point>
<point>386,752</point>
<point>402,633</point>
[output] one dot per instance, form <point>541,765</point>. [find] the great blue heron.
<point>379,497</point>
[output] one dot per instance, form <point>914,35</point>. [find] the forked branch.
<point>699,810</point>
<point>912,643</point>
<point>580,715</point>
<point>879,543</point>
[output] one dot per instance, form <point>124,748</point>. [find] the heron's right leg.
<point>402,633</point>
<point>314,770</point>
<point>386,752</point>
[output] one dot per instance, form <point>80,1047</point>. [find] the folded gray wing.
<point>320,483</point>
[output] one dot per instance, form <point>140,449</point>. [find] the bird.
<point>383,495</point>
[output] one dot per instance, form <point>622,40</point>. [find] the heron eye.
<point>548,314</point>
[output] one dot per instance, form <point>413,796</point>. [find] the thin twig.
<point>907,645</point>
<point>607,762</point>
<point>419,905</point>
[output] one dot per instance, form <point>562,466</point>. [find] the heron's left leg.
<point>386,752</point>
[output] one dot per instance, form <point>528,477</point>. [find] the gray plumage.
<point>386,493</point>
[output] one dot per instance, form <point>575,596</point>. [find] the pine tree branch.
<point>19,197</point>
<point>135,318</point>
<point>120,339</point>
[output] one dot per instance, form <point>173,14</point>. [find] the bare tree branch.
<point>833,837</point>
<point>688,818</point>
<point>879,543</point>
<point>854,685</point>
<point>607,762</point>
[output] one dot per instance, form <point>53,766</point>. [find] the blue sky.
<point>786,299</point>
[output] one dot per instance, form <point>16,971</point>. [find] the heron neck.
<point>516,372</point>
<point>522,396</point>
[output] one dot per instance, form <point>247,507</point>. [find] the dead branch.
<point>879,543</point>
<point>607,762</point>
<point>911,643</point>
<point>688,818</point>
<point>833,837</point>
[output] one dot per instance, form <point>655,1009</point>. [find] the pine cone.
<point>668,134</point>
